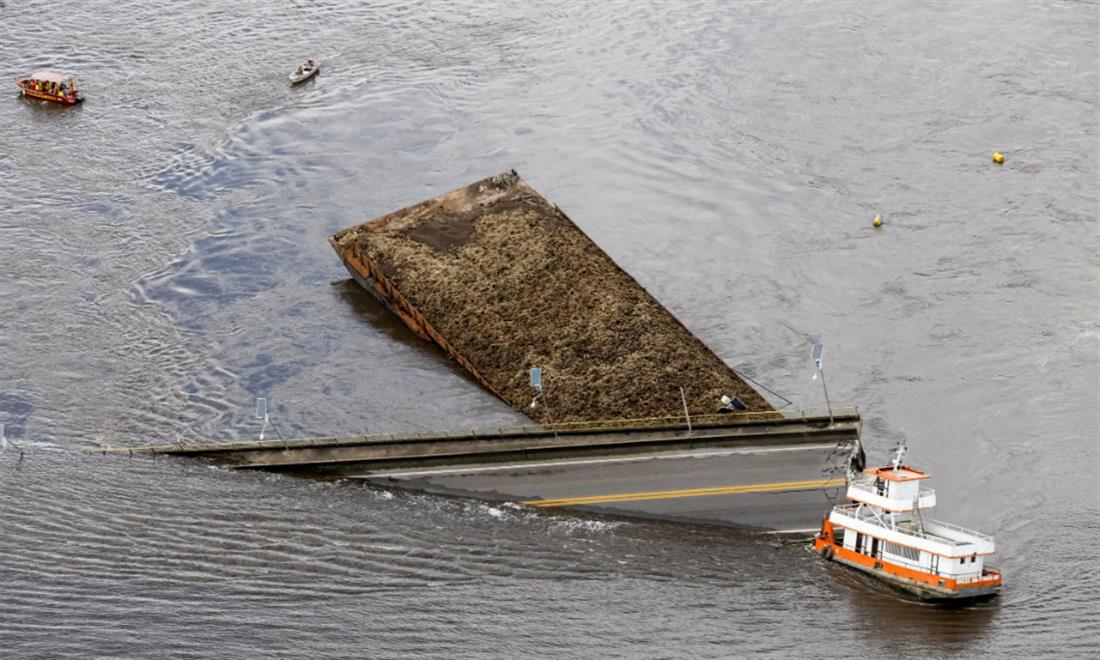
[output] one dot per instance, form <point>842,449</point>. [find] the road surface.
<point>784,488</point>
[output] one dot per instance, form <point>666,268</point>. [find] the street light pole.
<point>815,355</point>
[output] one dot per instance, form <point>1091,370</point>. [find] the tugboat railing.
<point>868,486</point>
<point>863,486</point>
<point>924,567</point>
<point>862,513</point>
<point>959,528</point>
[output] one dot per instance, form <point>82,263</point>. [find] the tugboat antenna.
<point>900,455</point>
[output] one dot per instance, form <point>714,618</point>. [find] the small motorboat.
<point>884,532</point>
<point>51,86</point>
<point>304,72</point>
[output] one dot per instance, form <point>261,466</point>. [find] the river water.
<point>164,262</point>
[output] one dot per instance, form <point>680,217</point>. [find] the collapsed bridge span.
<point>503,281</point>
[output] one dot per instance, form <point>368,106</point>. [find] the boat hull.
<point>295,79</point>
<point>68,99</point>
<point>926,586</point>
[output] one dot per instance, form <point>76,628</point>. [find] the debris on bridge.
<point>503,281</point>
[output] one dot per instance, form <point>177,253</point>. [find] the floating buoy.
<point>998,158</point>
<point>877,222</point>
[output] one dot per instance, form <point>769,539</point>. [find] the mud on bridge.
<point>503,281</point>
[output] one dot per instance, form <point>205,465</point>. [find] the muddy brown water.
<point>164,262</point>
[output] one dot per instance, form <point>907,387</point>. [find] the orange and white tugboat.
<point>883,531</point>
<point>51,86</point>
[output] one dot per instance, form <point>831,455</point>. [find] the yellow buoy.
<point>877,221</point>
<point>998,158</point>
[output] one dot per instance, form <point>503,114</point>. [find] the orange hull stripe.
<point>46,95</point>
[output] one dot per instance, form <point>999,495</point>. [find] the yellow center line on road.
<point>810,484</point>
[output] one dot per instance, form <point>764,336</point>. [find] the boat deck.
<point>912,529</point>
<point>928,531</point>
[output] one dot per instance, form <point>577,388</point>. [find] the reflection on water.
<point>165,262</point>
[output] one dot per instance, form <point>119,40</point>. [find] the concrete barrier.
<point>365,454</point>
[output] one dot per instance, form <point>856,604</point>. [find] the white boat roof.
<point>49,75</point>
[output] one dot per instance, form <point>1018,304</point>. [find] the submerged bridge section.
<point>764,470</point>
<point>341,456</point>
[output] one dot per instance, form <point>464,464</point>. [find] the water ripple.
<point>165,262</point>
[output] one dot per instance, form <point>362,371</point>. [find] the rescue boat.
<point>883,531</point>
<point>51,86</point>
